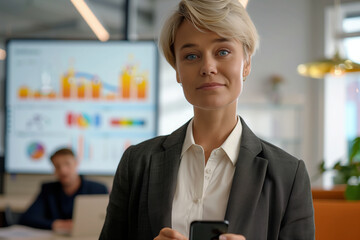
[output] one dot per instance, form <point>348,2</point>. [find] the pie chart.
<point>35,151</point>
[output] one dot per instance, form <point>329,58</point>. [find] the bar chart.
<point>131,85</point>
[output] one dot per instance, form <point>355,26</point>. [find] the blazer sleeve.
<point>116,221</point>
<point>298,221</point>
<point>36,215</point>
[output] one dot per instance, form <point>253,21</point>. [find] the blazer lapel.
<point>164,168</point>
<point>249,176</point>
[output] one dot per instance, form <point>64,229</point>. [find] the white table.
<point>18,232</point>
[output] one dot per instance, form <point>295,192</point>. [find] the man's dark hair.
<point>62,151</point>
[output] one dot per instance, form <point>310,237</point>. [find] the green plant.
<point>348,173</point>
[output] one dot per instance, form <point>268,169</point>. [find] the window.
<point>351,24</point>
<point>342,94</point>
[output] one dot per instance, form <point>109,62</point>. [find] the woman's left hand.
<point>229,236</point>
<point>170,234</point>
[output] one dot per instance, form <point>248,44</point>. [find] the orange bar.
<point>95,89</point>
<point>141,89</point>
<point>23,92</point>
<point>37,94</point>
<point>81,90</point>
<point>126,84</point>
<point>52,95</point>
<point>110,97</point>
<point>66,87</point>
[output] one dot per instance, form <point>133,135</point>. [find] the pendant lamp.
<point>335,65</point>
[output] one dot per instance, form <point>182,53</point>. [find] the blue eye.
<point>223,53</point>
<point>191,57</point>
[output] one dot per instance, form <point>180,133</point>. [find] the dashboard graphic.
<point>96,98</point>
<point>35,151</point>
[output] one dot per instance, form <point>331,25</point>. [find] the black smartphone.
<point>207,230</point>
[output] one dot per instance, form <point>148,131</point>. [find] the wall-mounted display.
<point>94,97</point>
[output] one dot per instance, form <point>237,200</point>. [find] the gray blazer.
<point>270,196</point>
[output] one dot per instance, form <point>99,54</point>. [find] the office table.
<point>16,203</point>
<point>18,232</point>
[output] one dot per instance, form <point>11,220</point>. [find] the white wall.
<point>285,42</point>
<point>285,37</point>
<point>174,109</point>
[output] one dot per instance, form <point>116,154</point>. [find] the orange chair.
<point>337,219</point>
<point>336,192</point>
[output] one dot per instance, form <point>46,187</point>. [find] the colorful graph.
<point>37,121</point>
<point>132,85</point>
<point>123,122</point>
<point>35,151</point>
<point>80,85</point>
<point>106,149</point>
<point>24,93</point>
<point>82,120</point>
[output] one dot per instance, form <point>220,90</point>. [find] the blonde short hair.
<point>227,18</point>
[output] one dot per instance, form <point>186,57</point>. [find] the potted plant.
<point>349,173</point>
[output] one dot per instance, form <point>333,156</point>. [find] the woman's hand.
<point>231,237</point>
<point>168,233</point>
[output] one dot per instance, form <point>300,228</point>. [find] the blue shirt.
<point>52,203</point>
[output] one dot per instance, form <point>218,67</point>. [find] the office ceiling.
<point>59,18</point>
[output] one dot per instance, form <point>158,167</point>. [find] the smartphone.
<point>207,230</point>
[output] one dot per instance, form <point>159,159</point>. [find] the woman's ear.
<point>177,77</point>
<point>247,68</point>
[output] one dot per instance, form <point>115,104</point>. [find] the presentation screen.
<point>93,97</point>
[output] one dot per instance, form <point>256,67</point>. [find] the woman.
<point>213,167</point>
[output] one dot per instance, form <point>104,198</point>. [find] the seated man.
<point>53,207</point>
